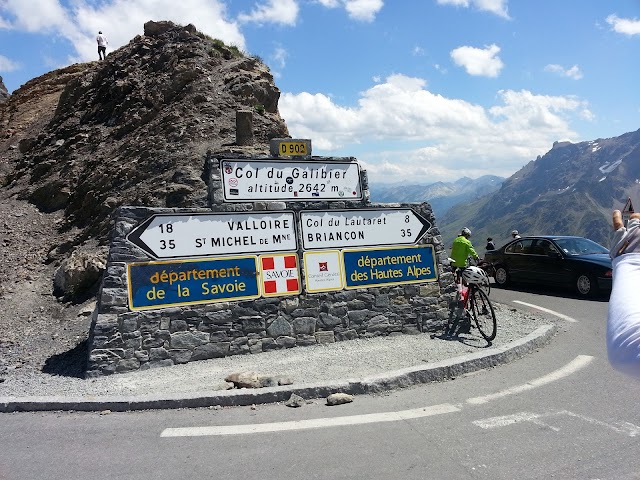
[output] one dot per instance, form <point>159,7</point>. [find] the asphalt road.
<point>560,412</point>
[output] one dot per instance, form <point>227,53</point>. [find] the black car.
<point>574,262</point>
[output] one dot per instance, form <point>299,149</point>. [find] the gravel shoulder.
<point>352,359</point>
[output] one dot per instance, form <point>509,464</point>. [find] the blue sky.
<point>418,90</point>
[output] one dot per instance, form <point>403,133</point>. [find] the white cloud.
<point>573,72</point>
<point>477,61</point>
<point>283,12</point>
<point>626,26</point>
<point>497,7</point>
<point>440,68</point>
<point>5,23</point>
<point>456,3</point>
<point>279,57</point>
<point>36,15</point>
<point>329,3</point>
<point>364,10</point>
<point>120,20</point>
<point>455,137</point>
<point>361,10</point>
<point>7,65</point>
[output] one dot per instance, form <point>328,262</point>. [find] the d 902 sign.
<point>293,148</point>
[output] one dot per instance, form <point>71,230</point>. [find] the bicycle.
<point>488,268</point>
<point>472,302</point>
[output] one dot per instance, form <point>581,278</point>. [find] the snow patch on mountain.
<point>610,167</point>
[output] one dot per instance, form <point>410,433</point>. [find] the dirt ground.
<point>37,331</point>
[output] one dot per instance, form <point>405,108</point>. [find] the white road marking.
<point>576,364</point>
<point>624,428</point>
<point>573,366</point>
<point>495,422</point>
<point>312,423</point>
<point>552,312</point>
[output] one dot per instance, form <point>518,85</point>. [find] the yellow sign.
<point>293,148</point>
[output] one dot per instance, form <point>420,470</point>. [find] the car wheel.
<point>501,275</point>
<point>586,285</point>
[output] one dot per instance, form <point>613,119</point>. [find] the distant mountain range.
<point>571,190</point>
<point>441,195</point>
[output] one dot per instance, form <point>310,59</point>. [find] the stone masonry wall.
<point>122,340</point>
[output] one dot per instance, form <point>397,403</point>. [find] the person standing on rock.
<point>102,45</point>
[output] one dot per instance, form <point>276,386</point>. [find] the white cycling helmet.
<point>466,232</point>
<point>475,275</point>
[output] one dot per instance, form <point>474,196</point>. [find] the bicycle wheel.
<point>485,287</point>
<point>483,314</point>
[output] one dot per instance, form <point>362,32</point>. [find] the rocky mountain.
<point>75,143</point>
<point>441,195</point>
<point>4,93</point>
<point>135,129</point>
<point>571,190</point>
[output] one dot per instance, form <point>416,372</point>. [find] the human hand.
<point>625,240</point>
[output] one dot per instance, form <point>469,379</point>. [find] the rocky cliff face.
<point>4,93</point>
<point>75,143</point>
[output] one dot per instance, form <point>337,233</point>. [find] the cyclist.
<point>462,249</point>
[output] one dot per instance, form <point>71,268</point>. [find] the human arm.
<point>623,319</point>
<point>471,252</point>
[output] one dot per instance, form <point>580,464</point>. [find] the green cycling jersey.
<point>461,250</point>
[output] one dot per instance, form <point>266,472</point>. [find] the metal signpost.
<point>325,229</point>
<point>256,180</point>
<point>185,282</point>
<point>389,266</point>
<point>199,235</point>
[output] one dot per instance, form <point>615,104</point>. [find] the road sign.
<point>205,234</point>
<point>627,211</point>
<point>293,147</point>
<point>186,282</point>
<point>280,274</point>
<point>323,271</point>
<point>325,229</point>
<point>255,180</point>
<point>389,266</point>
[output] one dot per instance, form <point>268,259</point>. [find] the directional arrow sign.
<point>199,235</point>
<point>361,228</point>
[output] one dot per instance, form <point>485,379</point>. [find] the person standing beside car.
<point>623,318</point>
<point>515,235</point>
<point>490,245</point>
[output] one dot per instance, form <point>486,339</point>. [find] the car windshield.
<point>580,246</point>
